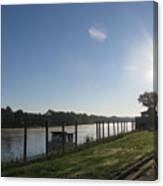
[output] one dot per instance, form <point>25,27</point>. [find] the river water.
<point>12,139</point>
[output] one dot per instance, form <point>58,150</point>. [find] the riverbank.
<point>102,161</point>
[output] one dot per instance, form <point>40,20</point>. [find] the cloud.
<point>130,68</point>
<point>97,34</point>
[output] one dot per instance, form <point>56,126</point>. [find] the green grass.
<point>102,161</point>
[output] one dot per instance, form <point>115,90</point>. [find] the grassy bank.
<point>101,161</point>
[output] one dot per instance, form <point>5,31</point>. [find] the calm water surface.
<point>13,139</point>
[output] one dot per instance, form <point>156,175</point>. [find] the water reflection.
<point>13,139</point>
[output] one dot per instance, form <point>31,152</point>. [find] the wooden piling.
<point>99,130</point>
<point>108,129</point>
<point>25,141</point>
<point>76,133</point>
<point>103,132</point>
<point>126,126</point>
<point>121,128</point>
<point>63,136</point>
<point>46,138</point>
<point>96,131</point>
<point>113,128</point>
<point>117,128</point>
<point>133,123</point>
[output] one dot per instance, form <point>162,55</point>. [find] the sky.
<point>86,58</point>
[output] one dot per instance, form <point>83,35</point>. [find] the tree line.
<point>17,119</point>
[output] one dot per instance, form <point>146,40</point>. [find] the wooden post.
<point>103,132</point>
<point>113,128</point>
<point>121,128</point>
<point>96,131</point>
<point>63,136</point>
<point>25,141</point>
<point>76,133</point>
<point>126,126</point>
<point>133,125</point>
<point>46,138</point>
<point>108,129</point>
<point>99,130</point>
<point>117,127</point>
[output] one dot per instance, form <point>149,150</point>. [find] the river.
<point>12,139</point>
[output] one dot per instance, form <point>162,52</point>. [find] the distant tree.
<point>50,112</point>
<point>8,109</point>
<point>18,115</point>
<point>19,112</point>
<point>13,119</point>
<point>149,99</point>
